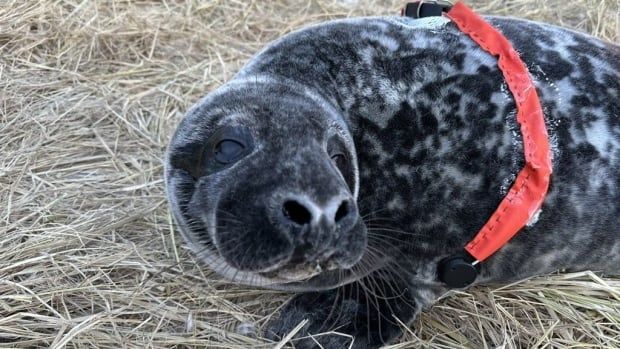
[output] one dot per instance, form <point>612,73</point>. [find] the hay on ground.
<point>90,92</point>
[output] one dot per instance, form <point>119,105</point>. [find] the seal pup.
<point>347,159</point>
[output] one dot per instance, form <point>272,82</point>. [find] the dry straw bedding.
<point>90,92</point>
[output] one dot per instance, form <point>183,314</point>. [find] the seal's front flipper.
<point>369,312</point>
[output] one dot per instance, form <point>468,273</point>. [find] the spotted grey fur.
<point>432,142</point>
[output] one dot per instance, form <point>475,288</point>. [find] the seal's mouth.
<point>309,279</point>
<point>301,272</point>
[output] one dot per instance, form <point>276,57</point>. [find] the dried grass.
<point>90,92</point>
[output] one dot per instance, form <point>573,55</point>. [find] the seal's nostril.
<point>342,212</point>
<point>296,212</point>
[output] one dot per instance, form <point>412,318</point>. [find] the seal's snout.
<point>320,233</point>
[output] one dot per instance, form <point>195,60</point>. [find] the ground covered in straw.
<point>90,92</point>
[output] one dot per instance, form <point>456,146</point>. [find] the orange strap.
<point>527,193</point>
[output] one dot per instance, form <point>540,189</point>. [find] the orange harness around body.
<point>529,189</point>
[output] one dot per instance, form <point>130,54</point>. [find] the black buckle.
<point>458,271</point>
<point>428,8</point>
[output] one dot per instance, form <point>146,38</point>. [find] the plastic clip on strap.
<point>421,9</point>
<point>529,189</point>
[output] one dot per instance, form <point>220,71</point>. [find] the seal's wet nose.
<point>340,214</point>
<point>318,231</point>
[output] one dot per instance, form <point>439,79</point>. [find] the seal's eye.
<point>227,145</point>
<point>228,150</point>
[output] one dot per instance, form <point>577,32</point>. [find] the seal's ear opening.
<point>189,158</point>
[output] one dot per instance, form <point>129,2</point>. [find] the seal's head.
<point>262,180</point>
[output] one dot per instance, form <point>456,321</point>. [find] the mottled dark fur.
<point>428,130</point>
